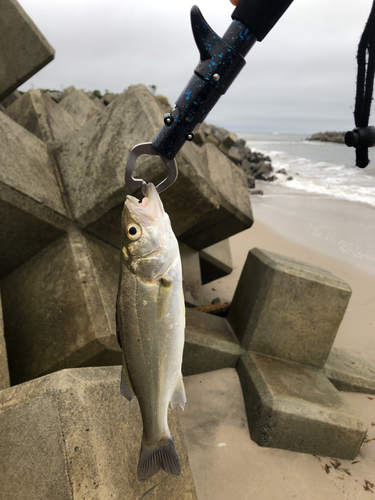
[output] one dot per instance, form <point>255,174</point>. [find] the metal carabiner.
<point>148,149</point>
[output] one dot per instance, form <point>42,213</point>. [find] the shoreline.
<point>336,227</point>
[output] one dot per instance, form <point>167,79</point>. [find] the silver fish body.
<point>150,326</point>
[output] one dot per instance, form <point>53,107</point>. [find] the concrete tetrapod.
<point>202,267</point>
<point>71,435</point>
<point>215,261</point>
<point>39,114</point>
<point>350,372</point>
<point>209,344</point>
<point>93,162</point>
<point>33,213</point>
<point>79,106</point>
<point>59,312</point>
<point>24,50</point>
<point>59,308</point>
<point>287,309</point>
<point>295,407</point>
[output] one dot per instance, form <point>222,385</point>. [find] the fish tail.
<point>163,456</point>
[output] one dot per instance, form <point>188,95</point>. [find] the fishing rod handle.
<point>221,60</point>
<point>260,16</point>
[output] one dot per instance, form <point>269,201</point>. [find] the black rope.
<point>365,82</point>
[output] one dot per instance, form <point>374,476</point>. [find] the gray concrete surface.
<point>59,308</point>
<point>33,213</point>
<point>209,343</point>
<point>95,180</point>
<point>24,50</point>
<point>66,92</point>
<point>10,99</point>
<point>26,167</point>
<point>295,407</point>
<point>234,213</point>
<point>191,275</point>
<point>71,435</point>
<point>227,464</point>
<point>215,261</point>
<point>23,233</point>
<point>350,371</point>
<point>78,104</point>
<point>39,114</point>
<point>287,309</point>
<point>4,370</point>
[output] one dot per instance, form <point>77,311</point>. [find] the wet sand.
<point>225,462</point>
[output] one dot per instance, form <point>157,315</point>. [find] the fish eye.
<point>133,231</point>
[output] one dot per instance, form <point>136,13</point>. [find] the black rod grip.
<point>260,16</point>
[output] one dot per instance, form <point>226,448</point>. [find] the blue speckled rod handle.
<point>260,16</point>
<point>221,59</point>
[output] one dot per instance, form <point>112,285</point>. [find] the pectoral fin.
<point>126,387</point>
<point>164,295</point>
<point>179,397</point>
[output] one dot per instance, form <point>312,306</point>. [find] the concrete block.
<point>79,106</point>
<point>71,435</point>
<point>241,143</point>
<point>66,92</point>
<point>350,372</point>
<point>59,308</point>
<point>23,48</point>
<point>191,189</point>
<point>219,132</point>
<point>206,128</point>
<point>237,154</point>
<point>199,135</point>
<point>287,309</point>
<point>10,99</point>
<point>32,210</point>
<point>39,114</point>
<point>93,166</point>
<point>211,139</point>
<point>215,261</point>
<point>209,344</point>
<point>4,370</point>
<point>229,140</point>
<point>191,275</point>
<point>55,95</point>
<point>25,166</point>
<point>109,98</point>
<point>295,407</point>
<point>234,213</point>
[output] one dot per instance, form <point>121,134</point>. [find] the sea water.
<point>327,204</point>
<point>323,168</point>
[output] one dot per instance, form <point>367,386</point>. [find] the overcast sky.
<point>300,78</point>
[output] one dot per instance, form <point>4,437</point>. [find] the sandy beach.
<point>332,234</point>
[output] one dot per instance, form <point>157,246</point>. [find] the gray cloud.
<point>300,78</point>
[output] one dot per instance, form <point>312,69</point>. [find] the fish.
<point>150,320</point>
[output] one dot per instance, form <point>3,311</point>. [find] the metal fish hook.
<point>148,149</point>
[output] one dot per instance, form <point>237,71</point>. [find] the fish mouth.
<point>150,209</point>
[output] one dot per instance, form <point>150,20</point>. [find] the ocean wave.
<point>322,177</point>
<point>357,194</point>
